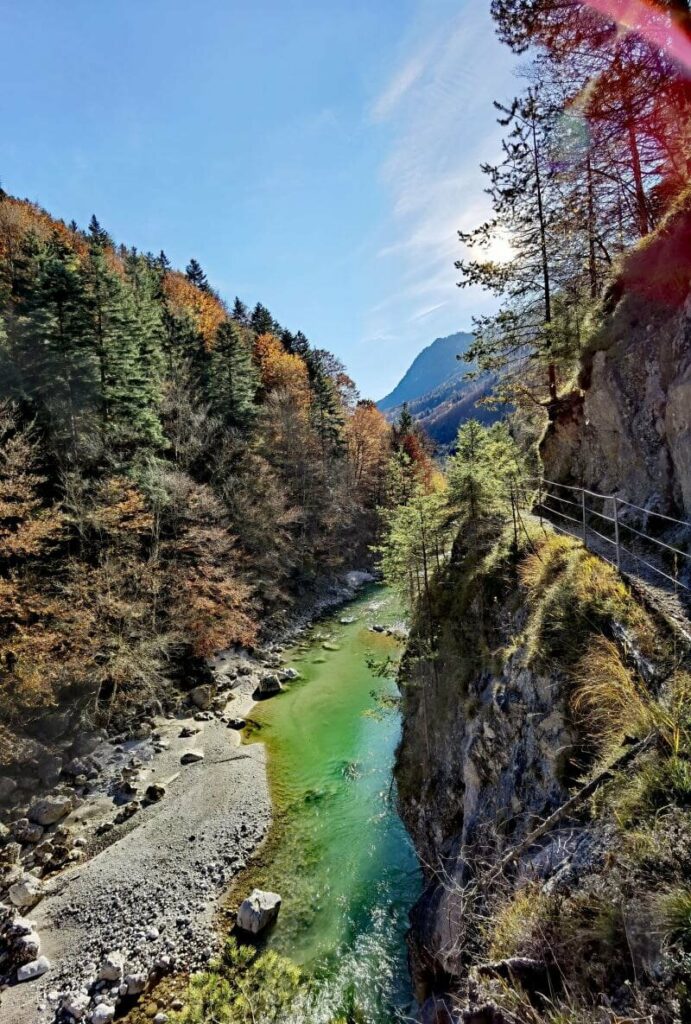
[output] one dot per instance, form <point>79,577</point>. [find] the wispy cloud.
<point>427,312</point>
<point>438,108</point>
<point>401,83</point>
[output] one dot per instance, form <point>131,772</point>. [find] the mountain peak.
<point>430,368</point>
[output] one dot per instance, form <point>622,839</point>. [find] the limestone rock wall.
<point>627,429</point>
<point>481,759</point>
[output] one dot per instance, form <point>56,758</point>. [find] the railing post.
<point>539,496</point>
<point>616,531</point>
<point>585,538</point>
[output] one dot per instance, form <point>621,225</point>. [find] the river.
<point>339,854</point>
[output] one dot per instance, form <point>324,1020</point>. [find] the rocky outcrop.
<point>626,430</point>
<point>496,771</point>
<point>482,758</point>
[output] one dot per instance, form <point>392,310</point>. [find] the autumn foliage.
<point>172,473</point>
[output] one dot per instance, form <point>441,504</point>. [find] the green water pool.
<point>340,857</point>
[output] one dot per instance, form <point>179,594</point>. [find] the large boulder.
<point>34,969</point>
<point>103,1014</point>
<point>8,788</point>
<point>25,831</point>
<point>258,911</point>
<point>192,756</point>
<point>202,697</point>
<point>267,686</point>
<point>50,809</point>
<point>113,967</point>
<point>26,892</point>
<point>76,1004</point>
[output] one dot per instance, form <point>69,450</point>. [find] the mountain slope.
<point>437,393</point>
<point>432,367</point>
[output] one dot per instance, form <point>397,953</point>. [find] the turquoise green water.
<point>341,859</point>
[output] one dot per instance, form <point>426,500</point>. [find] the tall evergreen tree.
<point>233,379</point>
<point>97,234</point>
<point>56,366</point>
<point>261,320</point>
<point>522,192</point>
<point>196,275</point>
<point>240,312</point>
<point>125,335</point>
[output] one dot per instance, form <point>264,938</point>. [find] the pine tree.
<point>261,320</point>
<point>149,335</point>
<point>240,312</point>
<point>233,380</point>
<point>481,474</point>
<point>196,275</point>
<point>97,234</point>
<point>56,366</point>
<point>125,336</point>
<point>522,191</point>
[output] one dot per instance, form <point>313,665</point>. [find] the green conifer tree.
<point>56,366</point>
<point>261,320</point>
<point>196,275</point>
<point>233,381</point>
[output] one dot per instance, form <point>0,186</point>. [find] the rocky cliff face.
<point>493,745</point>
<point>627,428</point>
<point>482,756</point>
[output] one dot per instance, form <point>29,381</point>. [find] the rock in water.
<point>258,911</point>
<point>268,686</point>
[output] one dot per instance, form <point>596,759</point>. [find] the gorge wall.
<point>626,428</point>
<point>545,668</point>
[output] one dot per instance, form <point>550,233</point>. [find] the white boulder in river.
<point>258,911</point>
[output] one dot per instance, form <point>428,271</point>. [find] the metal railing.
<point>581,515</point>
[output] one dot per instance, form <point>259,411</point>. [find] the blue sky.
<point>317,155</point>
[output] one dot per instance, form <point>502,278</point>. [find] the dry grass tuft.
<point>606,701</point>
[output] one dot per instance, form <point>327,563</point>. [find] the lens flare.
<point>651,23</point>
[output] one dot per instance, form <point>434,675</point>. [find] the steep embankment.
<point>549,677</point>
<point>626,428</point>
<point>547,671</point>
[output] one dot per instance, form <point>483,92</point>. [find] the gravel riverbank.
<point>155,837</point>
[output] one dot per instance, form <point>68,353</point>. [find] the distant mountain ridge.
<point>430,368</point>
<point>437,393</point>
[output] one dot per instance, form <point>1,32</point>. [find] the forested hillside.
<point>172,471</point>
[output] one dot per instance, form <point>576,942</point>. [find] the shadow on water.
<point>340,856</point>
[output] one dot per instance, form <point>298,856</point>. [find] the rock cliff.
<point>626,428</point>
<point>495,742</point>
